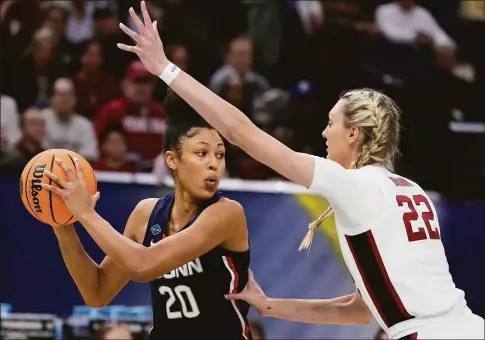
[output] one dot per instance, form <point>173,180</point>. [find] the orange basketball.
<point>43,204</point>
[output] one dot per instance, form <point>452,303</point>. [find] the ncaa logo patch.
<point>156,229</point>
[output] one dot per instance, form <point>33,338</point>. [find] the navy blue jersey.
<point>188,302</point>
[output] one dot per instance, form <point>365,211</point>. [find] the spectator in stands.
<point>29,144</point>
<point>9,118</point>
<point>109,34</point>
<point>32,79</point>
<point>56,18</point>
<point>66,129</point>
<point>117,332</point>
<point>236,81</point>
<point>94,86</point>
<point>80,23</point>
<point>142,118</point>
<point>113,146</point>
<point>404,22</point>
<point>257,330</point>
<point>179,56</point>
<point>32,124</point>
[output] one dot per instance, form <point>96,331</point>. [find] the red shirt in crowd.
<point>102,165</point>
<point>145,126</point>
<point>93,93</point>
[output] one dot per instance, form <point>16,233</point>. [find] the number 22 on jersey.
<point>412,217</point>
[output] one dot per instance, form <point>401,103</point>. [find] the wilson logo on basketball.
<point>35,187</point>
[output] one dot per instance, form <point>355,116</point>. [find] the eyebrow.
<point>207,143</point>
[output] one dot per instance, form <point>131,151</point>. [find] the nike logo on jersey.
<point>152,243</point>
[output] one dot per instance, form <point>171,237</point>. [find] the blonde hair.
<point>378,118</point>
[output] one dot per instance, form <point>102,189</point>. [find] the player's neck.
<point>183,210</point>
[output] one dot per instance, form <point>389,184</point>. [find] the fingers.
<point>128,48</point>
<point>54,189</point>
<point>67,170</point>
<point>129,32</point>
<point>79,170</point>
<point>96,196</point>
<point>56,179</point>
<point>146,17</point>
<point>233,296</point>
<point>139,25</point>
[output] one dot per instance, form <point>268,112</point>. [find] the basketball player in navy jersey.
<point>192,245</point>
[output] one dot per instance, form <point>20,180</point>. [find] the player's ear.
<point>354,134</point>
<point>170,160</point>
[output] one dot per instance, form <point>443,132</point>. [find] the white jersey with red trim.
<point>390,238</point>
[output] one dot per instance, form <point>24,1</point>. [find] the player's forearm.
<point>234,125</point>
<point>126,253</point>
<point>338,311</point>
<point>84,271</point>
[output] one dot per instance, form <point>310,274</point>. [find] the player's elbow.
<point>96,302</point>
<point>144,272</point>
<point>362,314</point>
<point>365,317</point>
<point>142,276</point>
<point>358,311</point>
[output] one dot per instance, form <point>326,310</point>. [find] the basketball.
<point>43,204</point>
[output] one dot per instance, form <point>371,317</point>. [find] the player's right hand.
<point>252,294</point>
<point>149,47</point>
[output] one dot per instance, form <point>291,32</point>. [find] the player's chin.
<point>207,192</point>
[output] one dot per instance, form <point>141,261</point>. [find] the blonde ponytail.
<point>306,243</point>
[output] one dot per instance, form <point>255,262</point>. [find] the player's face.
<point>201,164</point>
<point>338,136</point>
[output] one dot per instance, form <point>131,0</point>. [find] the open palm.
<point>149,46</point>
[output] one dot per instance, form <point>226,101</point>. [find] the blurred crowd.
<point>65,84</point>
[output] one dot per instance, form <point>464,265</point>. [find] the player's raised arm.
<point>224,117</point>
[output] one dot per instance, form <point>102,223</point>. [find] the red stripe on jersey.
<point>236,274</point>
<point>376,279</point>
<point>366,283</point>
<point>232,268</point>
<point>385,275</point>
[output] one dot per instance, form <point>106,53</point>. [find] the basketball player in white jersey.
<point>387,226</point>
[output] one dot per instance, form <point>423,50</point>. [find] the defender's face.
<point>202,163</point>
<point>337,135</point>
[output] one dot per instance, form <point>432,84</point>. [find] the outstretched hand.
<point>149,47</point>
<point>74,191</point>
<point>252,294</point>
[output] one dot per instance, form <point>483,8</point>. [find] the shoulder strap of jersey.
<point>154,229</point>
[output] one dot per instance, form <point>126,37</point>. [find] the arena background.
<point>299,56</point>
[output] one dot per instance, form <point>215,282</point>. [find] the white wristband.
<point>170,72</point>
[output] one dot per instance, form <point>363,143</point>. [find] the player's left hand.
<point>252,294</point>
<point>73,192</point>
<point>149,46</point>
